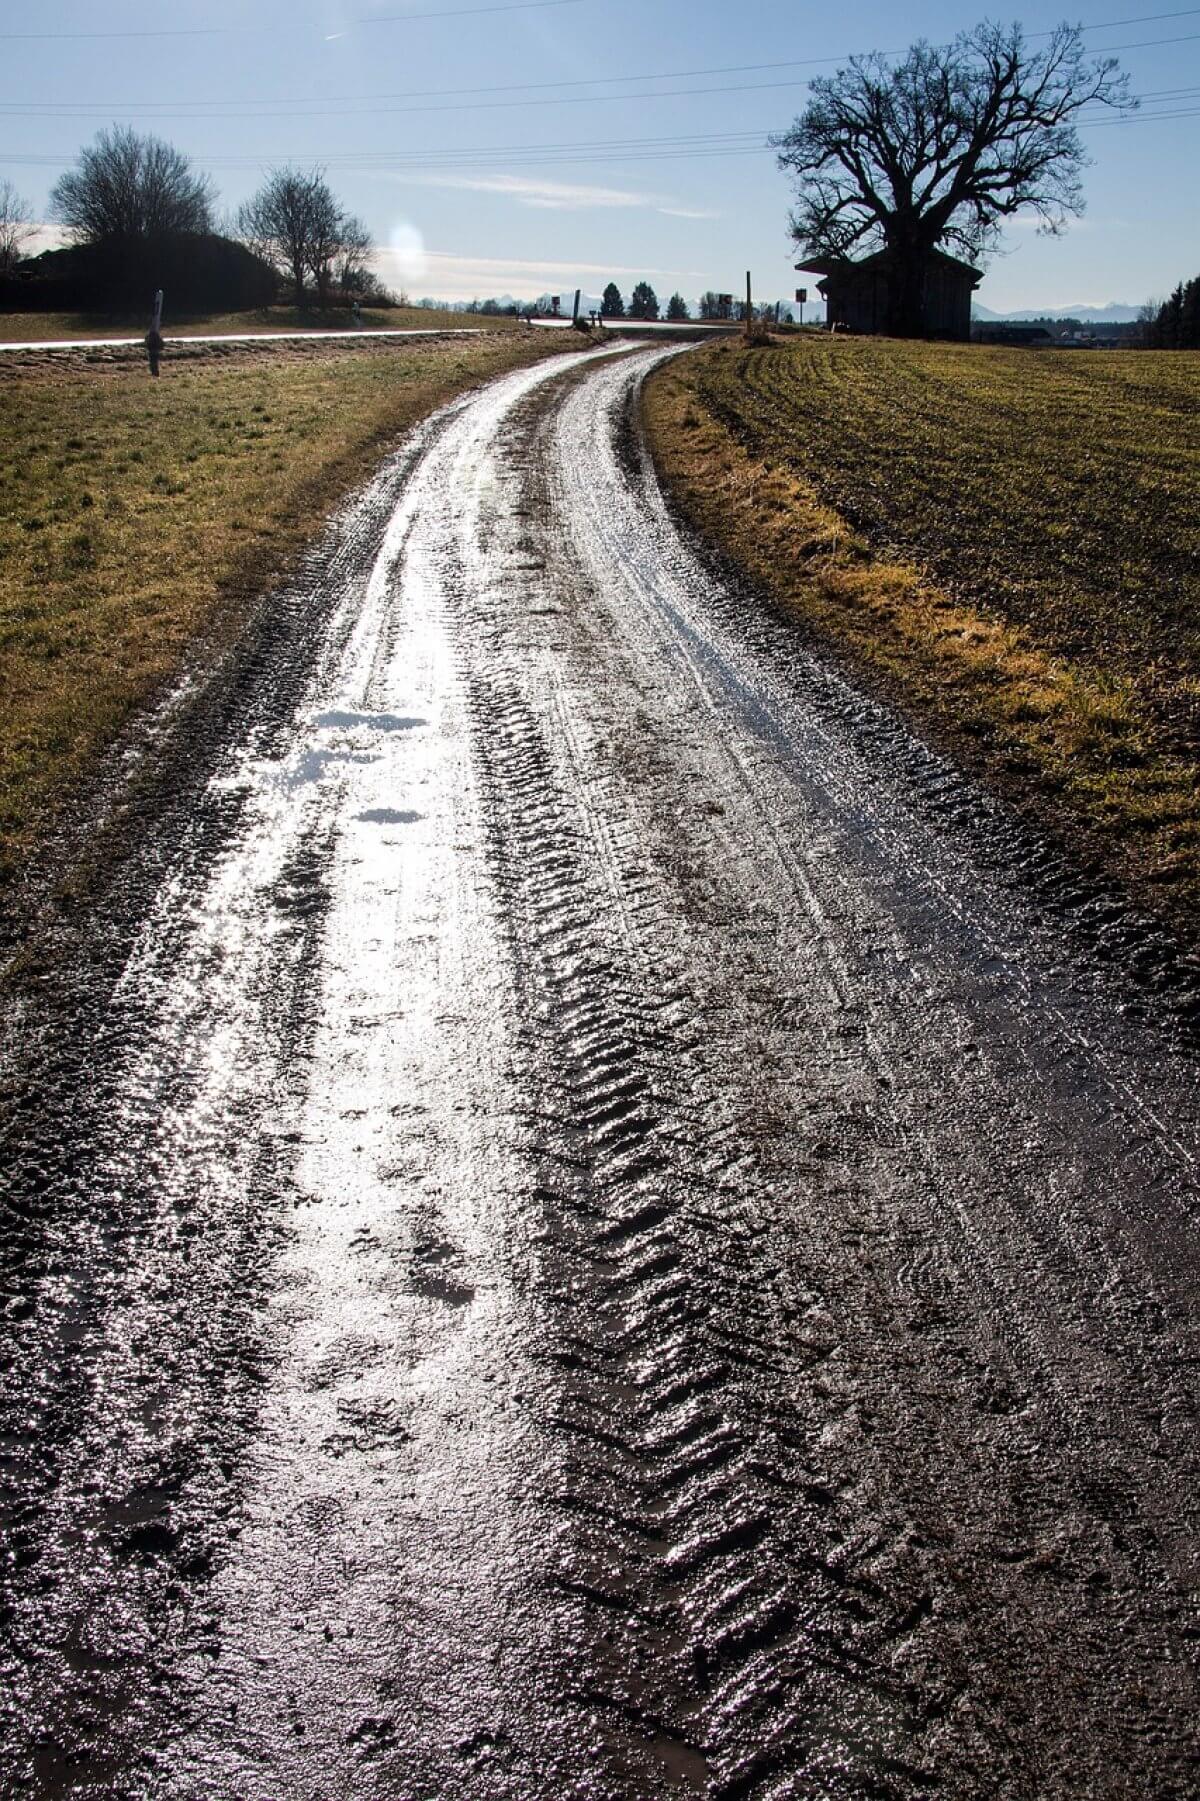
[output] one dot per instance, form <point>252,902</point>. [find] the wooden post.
<point>749,305</point>
<point>575,309</point>
<point>154,341</point>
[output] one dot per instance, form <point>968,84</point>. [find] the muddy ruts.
<point>704,1623</point>
<point>715,1634</point>
<point>606,1251</point>
<point>138,1222</point>
<point>805,1081</point>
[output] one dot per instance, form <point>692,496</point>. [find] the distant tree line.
<point>1175,323</point>
<point>141,217</point>
<point>643,304</point>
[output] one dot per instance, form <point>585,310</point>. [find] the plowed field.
<point>1010,538</point>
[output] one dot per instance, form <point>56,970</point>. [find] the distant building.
<point>1009,332</point>
<point>857,295</point>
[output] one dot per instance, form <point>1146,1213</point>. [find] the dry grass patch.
<point>1001,538</point>
<point>136,514</point>
<point>31,328</point>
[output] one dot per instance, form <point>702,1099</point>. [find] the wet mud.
<point>584,1217</point>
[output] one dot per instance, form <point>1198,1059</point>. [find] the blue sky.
<point>526,149</point>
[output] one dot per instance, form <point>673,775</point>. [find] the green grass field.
<point>1009,540</point>
<point>22,328</point>
<point>136,515</point>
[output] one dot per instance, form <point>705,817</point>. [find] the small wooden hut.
<point>858,294</point>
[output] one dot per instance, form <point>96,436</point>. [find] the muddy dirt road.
<point>585,1219</point>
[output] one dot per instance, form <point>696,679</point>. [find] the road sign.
<point>801,295</point>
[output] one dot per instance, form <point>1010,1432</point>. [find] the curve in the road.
<point>598,1224</point>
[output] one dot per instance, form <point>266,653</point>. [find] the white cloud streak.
<point>451,276</point>
<point>556,196</point>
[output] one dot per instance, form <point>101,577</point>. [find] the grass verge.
<point>1002,540</point>
<point>30,328</point>
<point>135,516</point>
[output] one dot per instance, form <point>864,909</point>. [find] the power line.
<point>187,108</point>
<point>462,12</point>
<point>13,110</point>
<point>710,147</point>
<point>508,87</point>
<point>62,37</point>
<point>208,31</point>
<point>1146,19</point>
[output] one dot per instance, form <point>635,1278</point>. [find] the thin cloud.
<point>688,212</point>
<point>553,196</point>
<point>458,277</point>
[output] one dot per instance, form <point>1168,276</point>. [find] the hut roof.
<point>881,260</point>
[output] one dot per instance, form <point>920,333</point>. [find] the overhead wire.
<point>707,144</point>
<point>707,147</point>
<point>15,110</point>
<point>187,108</point>
<point>189,31</point>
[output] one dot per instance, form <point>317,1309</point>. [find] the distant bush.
<point>199,273</point>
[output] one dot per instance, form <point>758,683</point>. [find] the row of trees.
<point>1175,323</point>
<point>128,191</point>
<point>643,304</point>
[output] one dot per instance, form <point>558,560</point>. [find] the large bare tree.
<point>126,187</point>
<point>938,150</point>
<point>16,226</point>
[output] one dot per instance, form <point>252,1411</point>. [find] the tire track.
<point>676,1389</point>
<point>698,1279</point>
<point>737,1419</point>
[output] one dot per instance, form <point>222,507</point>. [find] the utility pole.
<point>575,309</point>
<point>749,305</point>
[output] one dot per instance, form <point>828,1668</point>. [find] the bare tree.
<point>352,265</point>
<point>326,231</point>
<point>940,149</point>
<point>128,187</point>
<point>16,226</point>
<point>296,222</point>
<point>1147,321</point>
<point>277,224</point>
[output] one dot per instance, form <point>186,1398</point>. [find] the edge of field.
<point>1018,717</point>
<point>64,823</point>
<point>16,327</point>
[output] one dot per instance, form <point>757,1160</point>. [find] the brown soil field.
<point>1006,542</point>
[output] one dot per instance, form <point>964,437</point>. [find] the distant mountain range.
<point>1115,313</point>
